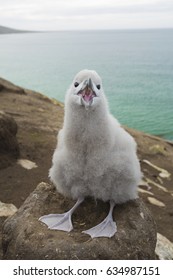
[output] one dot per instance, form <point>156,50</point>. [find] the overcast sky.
<point>86,14</point>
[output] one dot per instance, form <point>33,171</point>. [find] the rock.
<point>163,173</point>
<point>164,248</point>
<point>9,149</point>
<point>151,182</point>
<point>7,209</point>
<point>156,202</point>
<point>2,219</point>
<point>25,237</point>
<point>144,191</point>
<point>27,164</point>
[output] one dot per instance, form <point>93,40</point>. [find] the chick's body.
<point>95,156</point>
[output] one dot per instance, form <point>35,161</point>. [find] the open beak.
<point>87,91</point>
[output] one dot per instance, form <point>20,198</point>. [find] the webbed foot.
<point>107,228</point>
<point>60,221</point>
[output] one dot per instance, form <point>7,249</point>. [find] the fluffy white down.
<point>94,156</point>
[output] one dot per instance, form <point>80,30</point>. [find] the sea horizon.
<point>88,30</point>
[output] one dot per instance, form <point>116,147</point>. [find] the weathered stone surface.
<point>7,209</point>
<point>2,219</point>
<point>9,149</point>
<point>25,237</point>
<point>164,248</point>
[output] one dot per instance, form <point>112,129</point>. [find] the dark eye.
<point>76,84</point>
<point>98,86</point>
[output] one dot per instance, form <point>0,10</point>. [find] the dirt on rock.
<point>39,119</point>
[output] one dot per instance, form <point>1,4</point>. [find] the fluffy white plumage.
<point>94,156</point>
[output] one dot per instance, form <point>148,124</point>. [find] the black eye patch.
<point>98,86</point>
<point>76,84</point>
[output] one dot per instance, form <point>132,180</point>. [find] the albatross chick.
<point>94,156</point>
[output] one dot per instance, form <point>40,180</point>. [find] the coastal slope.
<point>39,119</point>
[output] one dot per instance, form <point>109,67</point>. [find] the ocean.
<point>136,67</point>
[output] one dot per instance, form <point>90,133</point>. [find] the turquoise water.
<point>136,68</point>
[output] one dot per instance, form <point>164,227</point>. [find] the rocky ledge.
<point>25,237</point>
